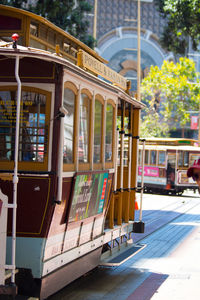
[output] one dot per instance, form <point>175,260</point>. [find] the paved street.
<point>167,268</point>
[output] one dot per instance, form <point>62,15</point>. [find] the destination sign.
<point>85,60</point>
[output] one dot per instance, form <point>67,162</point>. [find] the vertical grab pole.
<point>116,159</point>
<point>128,194</point>
<point>15,175</point>
<point>122,132</point>
<point>112,203</point>
<point>142,180</point>
<point>60,162</point>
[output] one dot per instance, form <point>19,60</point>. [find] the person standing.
<point>194,171</point>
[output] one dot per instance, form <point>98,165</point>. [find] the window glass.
<point>109,132</point>
<point>146,158</point>
<point>194,157</point>
<point>161,158</point>
<point>186,159</point>
<point>97,131</point>
<point>32,133</point>
<point>84,128</point>
<point>180,159</point>
<point>140,157</point>
<point>69,105</point>
<point>153,157</point>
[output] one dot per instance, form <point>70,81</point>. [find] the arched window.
<point>84,129</point>
<point>109,132</point>
<point>69,105</point>
<point>98,121</point>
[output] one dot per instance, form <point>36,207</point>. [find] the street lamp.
<point>95,20</point>
<point>138,52</point>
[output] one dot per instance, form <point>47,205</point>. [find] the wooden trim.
<point>68,167</point>
<point>87,92</point>
<point>109,165</point>
<point>84,166</point>
<point>99,98</point>
<point>97,166</point>
<point>71,86</point>
<point>112,102</point>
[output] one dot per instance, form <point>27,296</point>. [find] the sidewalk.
<point>173,254</point>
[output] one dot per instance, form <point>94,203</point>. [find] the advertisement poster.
<point>149,171</point>
<point>194,122</point>
<point>89,196</point>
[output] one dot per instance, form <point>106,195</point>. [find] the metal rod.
<point>116,160</point>
<point>15,176</point>
<point>130,150</point>
<point>142,181</point>
<point>122,147</point>
<point>60,162</point>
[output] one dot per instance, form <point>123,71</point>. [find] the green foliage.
<point>183,21</point>
<point>169,92</point>
<point>15,3</point>
<point>153,125</point>
<point>64,14</point>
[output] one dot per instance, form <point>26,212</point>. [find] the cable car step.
<point>121,256</point>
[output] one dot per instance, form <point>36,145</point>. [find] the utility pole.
<point>95,20</point>
<point>138,53</point>
<point>199,127</point>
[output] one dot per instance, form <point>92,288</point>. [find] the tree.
<point>183,21</point>
<point>15,3</point>
<point>64,13</point>
<point>169,92</point>
<point>153,125</point>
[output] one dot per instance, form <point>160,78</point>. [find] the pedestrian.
<point>194,171</point>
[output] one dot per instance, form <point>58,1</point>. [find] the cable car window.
<point>146,157</point>
<point>194,157</point>
<point>161,158</point>
<point>153,157</point>
<point>32,131</point>
<point>83,149</point>
<point>180,159</point>
<point>186,159</point>
<point>97,131</point>
<point>109,132</point>
<point>69,105</point>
